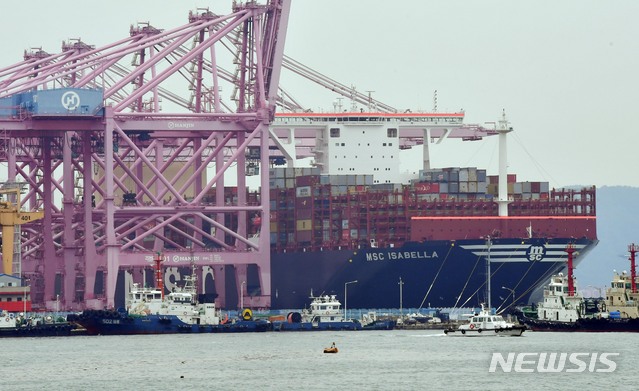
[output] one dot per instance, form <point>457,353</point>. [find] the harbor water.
<point>367,360</point>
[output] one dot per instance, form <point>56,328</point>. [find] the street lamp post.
<point>345,295</point>
<point>401,309</point>
<point>242,295</point>
<point>511,291</point>
<point>24,296</point>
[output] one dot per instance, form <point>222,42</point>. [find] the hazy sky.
<point>564,71</point>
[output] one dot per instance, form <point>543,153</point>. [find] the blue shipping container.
<point>64,101</point>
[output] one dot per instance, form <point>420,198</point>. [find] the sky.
<point>563,71</point>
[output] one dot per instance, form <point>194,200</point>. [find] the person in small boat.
<point>333,346</point>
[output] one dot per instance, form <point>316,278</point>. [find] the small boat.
<point>21,325</point>
<point>486,324</point>
<point>332,349</point>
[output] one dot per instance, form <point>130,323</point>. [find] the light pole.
<point>345,295</point>
<point>511,291</point>
<point>24,296</point>
<point>242,295</point>
<point>401,285</point>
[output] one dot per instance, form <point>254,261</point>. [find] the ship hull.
<point>116,323</point>
<point>433,273</point>
<point>591,325</point>
<point>46,330</point>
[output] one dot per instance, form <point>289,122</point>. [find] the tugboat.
<point>325,313</point>
<point>149,311</point>
<point>12,325</point>
<point>563,309</point>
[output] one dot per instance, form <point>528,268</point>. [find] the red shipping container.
<point>346,234</point>
<point>427,188</point>
<point>535,187</point>
<point>306,180</point>
<point>304,203</point>
<point>304,236</point>
<point>511,178</point>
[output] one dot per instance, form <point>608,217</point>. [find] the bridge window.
<point>334,132</point>
<point>391,132</point>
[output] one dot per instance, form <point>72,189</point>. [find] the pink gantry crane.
<point>125,147</point>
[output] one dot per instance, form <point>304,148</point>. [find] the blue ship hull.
<point>98,322</point>
<point>322,326</point>
<point>309,326</point>
<point>46,330</point>
<point>434,273</point>
<point>589,325</point>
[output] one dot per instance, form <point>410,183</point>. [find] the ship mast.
<point>488,244</point>
<point>159,283</point>
<point>502,199</point>
<point>633,248</point>
<point>570,249</point>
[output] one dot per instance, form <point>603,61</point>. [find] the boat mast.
<point>488,244</point>
<point>633,248</point>
<point>502,195</point>
<point>159,283</point>
<point>570,249</point>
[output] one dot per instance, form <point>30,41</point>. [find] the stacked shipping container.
<point>314,211</point>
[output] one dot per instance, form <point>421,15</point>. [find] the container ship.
<point>423,242</point>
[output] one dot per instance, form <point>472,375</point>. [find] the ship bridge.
<point>366,142</point>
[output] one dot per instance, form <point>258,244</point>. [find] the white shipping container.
<point>544,187</point>
<point>463,175</point>
<point>303,191</point>
<point>472,174</point>
<point>472,187</point>
<point>518,188</point>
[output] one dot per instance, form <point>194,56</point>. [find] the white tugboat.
<point>325,313</point>
<point>486,324</point>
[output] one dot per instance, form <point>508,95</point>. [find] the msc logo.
<point>536,253</point>
<point>70,100</point>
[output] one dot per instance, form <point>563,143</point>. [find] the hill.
<point>617,227</point>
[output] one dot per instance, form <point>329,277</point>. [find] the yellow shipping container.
<point>304,225</point>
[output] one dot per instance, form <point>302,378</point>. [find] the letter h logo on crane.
<point>70,100</point>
